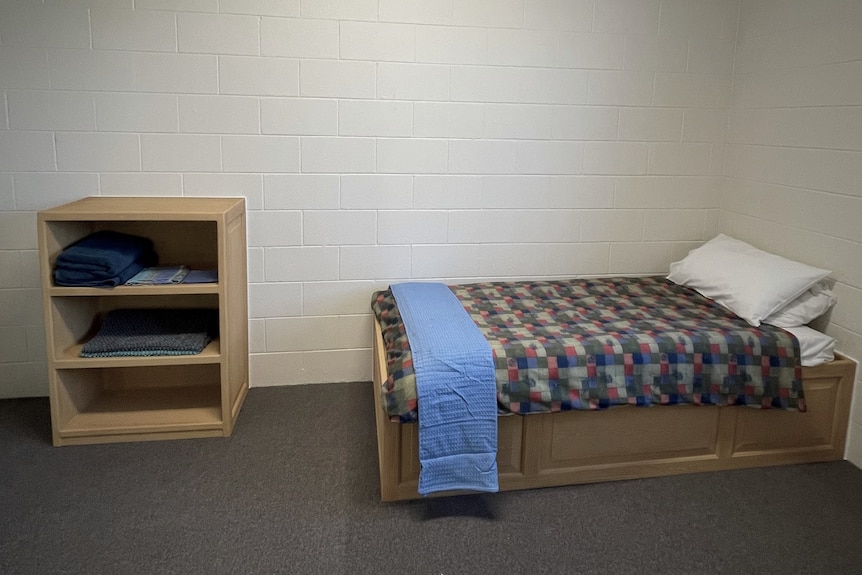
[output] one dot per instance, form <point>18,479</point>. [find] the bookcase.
<point>113,399</point>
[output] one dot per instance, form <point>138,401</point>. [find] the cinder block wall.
<point>794,156</point>
<point>381,140</point>
<point>375,140</point>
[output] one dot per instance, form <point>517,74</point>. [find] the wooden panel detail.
<point>235,305</point>
<point>773,430</point>
<point>409,470</point>
<point>510,432</point>
<point>545,450</point>
<point>627,434</point>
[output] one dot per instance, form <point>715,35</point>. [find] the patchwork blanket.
<point>599,342</point>
<point>456,386</point>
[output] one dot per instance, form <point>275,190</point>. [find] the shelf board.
<point>129,208</point>
<point>148,410</point>
<point>71,358</point>
<point>176,289</point>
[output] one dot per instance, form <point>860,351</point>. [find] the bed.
<point>632,435</point>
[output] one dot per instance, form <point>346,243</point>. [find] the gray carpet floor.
<point>295,490</point>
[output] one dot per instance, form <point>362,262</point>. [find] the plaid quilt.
<point>595,343</point>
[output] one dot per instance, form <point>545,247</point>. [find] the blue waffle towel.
<point>104,258</point>
<point>456,388</point>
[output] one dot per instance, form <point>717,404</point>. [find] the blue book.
<point>159,275</point>
<point>201,277</point>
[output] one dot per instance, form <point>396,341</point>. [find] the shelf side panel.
<point>235,302</point>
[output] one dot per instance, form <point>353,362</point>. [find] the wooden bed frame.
<point>567,448</point>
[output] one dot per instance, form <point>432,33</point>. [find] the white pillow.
<point>749,282</point>
<point>814,347</point>
<point>813,303</point>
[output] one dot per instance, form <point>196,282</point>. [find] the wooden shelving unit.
<point>111,399</point>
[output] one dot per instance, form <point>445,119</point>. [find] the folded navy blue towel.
<point>105,252</point>
<point>103,258</point>
<point>72,278</point>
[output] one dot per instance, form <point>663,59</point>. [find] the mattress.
<point>600,342</point>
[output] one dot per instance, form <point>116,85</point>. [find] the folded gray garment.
<point>145,332</point>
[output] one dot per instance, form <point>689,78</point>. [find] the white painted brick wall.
<point>627,17</point>
<point>451,45</point>
<point>97,152</point>
<point>92,70</point>
<point>31,24</point>
<point>299,116</point>
<point>615,158</point>
<point>39,191</point>
<point>140,184</point>
<point>275,228</point>
<point>376,192</point>
<point>412,156</point>
<point>311,263</point>
<point>275,300</point>
<point>650,124</point>
<point>258,76</point>
<point>44,110</point>
<point>259,154</point>
<point>180,152</point>
<point>218,34</point>
<point>375,118</point>
<point>144,30</point>
<point>794,153</point>
<point>338,155</point>
<point>482,157</point>
<point>382,140</point>
<point>567,15</point>
<point>442,261</point>
<point>26,151</point>
<point>337,79</point>
<point>339,227</point>
<point>299,38</point>
<point>415,11</point>
<point>377,42</point>
<point>340,298</point>
<point>131,112</point>
<point>219,114</point>
<point>301,191</point>
<point>250,186</point>
<point>340,9</point>
<point>374,262</point>
<point>412,81</point>
<point>656,53</point>
<point>412,227</point>
<point>185,5</point>
<point>260,7</point>
<point>23,68</point>
<point>177,73</point>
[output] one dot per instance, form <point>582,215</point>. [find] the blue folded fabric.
<point>456,388</point>
<point>146,332</point>
<point>105,252</point>
<point>72,278</point>
<point>104,258</point>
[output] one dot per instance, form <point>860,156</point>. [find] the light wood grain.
<point>567,448</point>
<point>104,400</point>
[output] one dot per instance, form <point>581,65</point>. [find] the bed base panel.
<point>573,447</point>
